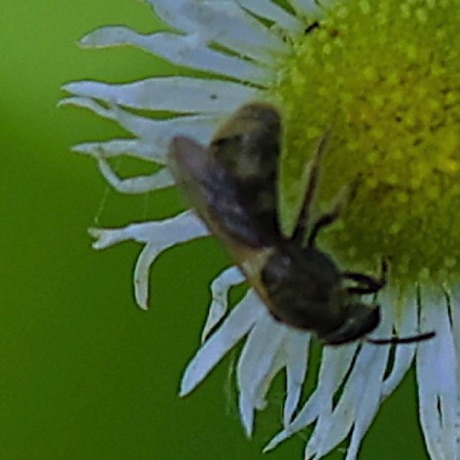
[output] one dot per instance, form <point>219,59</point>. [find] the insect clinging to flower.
<point>232,185</point>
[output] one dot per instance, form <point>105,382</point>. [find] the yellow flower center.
<point>384,76</point>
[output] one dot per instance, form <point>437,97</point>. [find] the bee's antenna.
<point>400,340</point>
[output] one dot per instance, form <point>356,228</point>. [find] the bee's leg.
<point>366,284</point>
<point>345,196</point>
<point>323,221</point>
<point>314,171</point>
<point>311,27</point>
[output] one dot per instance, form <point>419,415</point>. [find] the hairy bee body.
<point>232,186</point>
<point>306,290</point>
<point>236,192</point>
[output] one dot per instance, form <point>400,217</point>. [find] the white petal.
<point>255,366</point>
<point>175,94</point>
<point>335,363</point>
<point>454,298</point>
<point>359,400</point>
<point>437,380</point>
<point>297,347</point>
<point>357,405</point>
<point>222,22</point>
<point>140,126</point>
<point>154,141</point>
<point>141,273</point>
<point>158,236</point>
<point>238,323</point>
<point>182,50</point>
<point>306,6</point>
<point>178,229</point>
<point>219,290</point>
<point>325,411</point>
<point>137,184</point>
<point>86,103</point>
<point>368,405</point>
<point>275,13</point>
<point>454,301</point>
<point>270,347</point>
<point>404,354</point>
<point>120,147</point>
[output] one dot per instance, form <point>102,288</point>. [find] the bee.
<point>232,186</point>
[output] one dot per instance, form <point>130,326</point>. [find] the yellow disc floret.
<point>384,77</point>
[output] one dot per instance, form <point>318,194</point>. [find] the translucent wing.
<point>212,192</point>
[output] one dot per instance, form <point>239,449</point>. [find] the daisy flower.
<point>386,77</point>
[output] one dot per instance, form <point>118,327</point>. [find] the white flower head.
<point>385,77</point>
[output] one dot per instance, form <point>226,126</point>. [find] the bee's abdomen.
<point>303,286</point>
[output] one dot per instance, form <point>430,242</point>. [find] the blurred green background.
<point>85,374</point>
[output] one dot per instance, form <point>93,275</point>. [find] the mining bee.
<point>232,186</point>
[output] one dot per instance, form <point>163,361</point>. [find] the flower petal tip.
<point>85,41</point>
<point>191,379</point>
<point>64,102</point>
<point>247,415</point>
<point>248,426</point>
<point>186,387</point>
<point>96,233</point>
<point>143,307</point>
<point>104,238</point>
<point>141,296</point>
<point>279,438</point>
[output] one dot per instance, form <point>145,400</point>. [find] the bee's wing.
<point>197,176</point>
<point>190,166</point>
<point>196,173</point>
